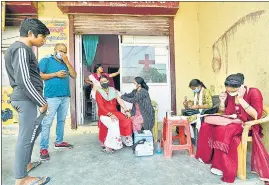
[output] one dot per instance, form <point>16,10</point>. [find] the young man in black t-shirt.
<point>27,97</point>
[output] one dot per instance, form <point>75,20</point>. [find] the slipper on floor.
<point>104,149</point>
<point>124,145</point>
<point>216,171</point>
<point>41,179</point>
<point>34,165</point>
<point>200,160</point>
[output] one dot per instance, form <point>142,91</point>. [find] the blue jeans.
<point>60,106</point>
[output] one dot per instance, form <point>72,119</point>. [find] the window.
<point>148,62</point>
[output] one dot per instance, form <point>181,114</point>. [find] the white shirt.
<point>96,85</point>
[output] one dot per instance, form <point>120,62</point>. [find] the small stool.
<point>167,137</point>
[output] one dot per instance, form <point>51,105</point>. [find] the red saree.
<point>217,145</point>
<point>104,107</point>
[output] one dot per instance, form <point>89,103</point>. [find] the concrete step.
<point>13,129</point>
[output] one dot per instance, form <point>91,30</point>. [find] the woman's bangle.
<point>127,111</point>
<point>247,107</point>
<point>109,114</point>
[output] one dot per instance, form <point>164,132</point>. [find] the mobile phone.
<point>66,72</point>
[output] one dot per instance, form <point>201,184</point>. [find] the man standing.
<point>27,100</point>
<point>55,71</point>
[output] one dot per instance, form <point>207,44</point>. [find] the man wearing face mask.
<point>55,71</point>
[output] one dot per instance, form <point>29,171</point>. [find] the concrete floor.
<point>87,165</point>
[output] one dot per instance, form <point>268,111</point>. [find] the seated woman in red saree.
<point>217,142</point>
<point>115,128</point>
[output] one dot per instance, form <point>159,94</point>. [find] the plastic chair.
<point>155,129</point>
<point>242,148</point>
<point>167,137</point>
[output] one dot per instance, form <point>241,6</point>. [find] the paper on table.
<point>232,116</point>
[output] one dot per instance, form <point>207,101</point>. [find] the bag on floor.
<point>190,112</point>
<point>6,114</point>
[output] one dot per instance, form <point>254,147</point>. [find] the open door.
<point>79,80</point>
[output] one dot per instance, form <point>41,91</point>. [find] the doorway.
<point>107,54</point>
<point>145,56</point>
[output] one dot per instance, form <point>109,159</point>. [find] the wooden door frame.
<point>73,81</point>
<point>172,65</point>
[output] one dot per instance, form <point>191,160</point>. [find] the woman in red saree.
<point>217,143</point>
<point>93,80</point>
<point>115,128</point>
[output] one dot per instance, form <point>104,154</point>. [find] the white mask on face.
<point>233,93</point>
<point>58,55</point>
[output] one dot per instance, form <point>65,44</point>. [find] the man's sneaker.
<point>44,155</point>
<point>63,145</point>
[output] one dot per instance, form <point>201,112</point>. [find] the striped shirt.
<point>23,72</point>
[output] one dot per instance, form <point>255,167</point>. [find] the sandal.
<point>124,145</point>
<point>41,180</point>
<point>34,165</point>
<point>108,151</point>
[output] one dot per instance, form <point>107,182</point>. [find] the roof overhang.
<point>21,7</point>
<point>19,10</point>
<point>120,8</point>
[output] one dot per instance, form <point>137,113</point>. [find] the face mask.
<point>58,55</point>
<point>105,85</point>
<point>135,87</point>
<point>196,90</point>
<point>233,93</point>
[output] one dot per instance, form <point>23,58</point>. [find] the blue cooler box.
<point>147,148</point>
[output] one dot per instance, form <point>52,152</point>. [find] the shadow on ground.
<point>87,165</point>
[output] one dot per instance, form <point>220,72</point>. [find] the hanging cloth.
<point>89,48</point>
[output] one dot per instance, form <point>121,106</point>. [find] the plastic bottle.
<point>158,147</point>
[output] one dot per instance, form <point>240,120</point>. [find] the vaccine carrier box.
<point>143,143</point>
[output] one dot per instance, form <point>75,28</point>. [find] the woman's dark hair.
<point>241,76</point>
<point>234,80</point>
<point>96,67</point>
<point>141,81</point>
<point>34,25</point>
<point>103,76</point>
<point>196,83</point>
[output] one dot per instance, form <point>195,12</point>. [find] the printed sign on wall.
<point>58,32</point>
